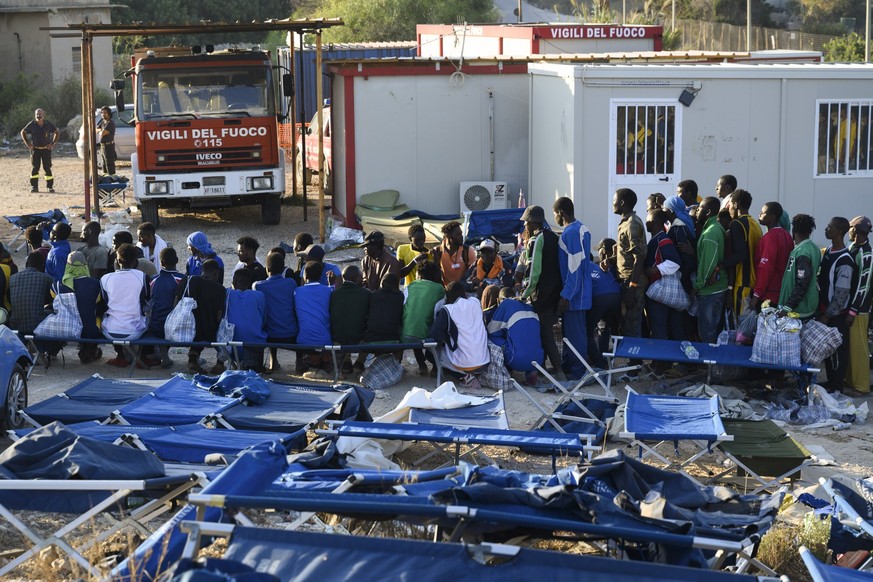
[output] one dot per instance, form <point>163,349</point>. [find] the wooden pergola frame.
<point>91,31</point>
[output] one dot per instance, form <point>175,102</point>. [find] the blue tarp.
<point>651,417</point>
<point>502,225</point>
<point>93,398</point>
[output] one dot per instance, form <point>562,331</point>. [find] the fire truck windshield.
<point>204,92</point>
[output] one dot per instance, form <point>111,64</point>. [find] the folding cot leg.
<point>336,368</point>
<point>543,414</point>
<point>350,482</point>
<point>432,348</point>
<point>570,397</point>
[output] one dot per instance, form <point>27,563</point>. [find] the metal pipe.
<point>20,57</point>
<point>867,34</point>
<point>491,129</point>
<point>749,25</point>
<point>302,152</point>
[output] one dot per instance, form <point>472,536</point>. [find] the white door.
<point>645,157</point>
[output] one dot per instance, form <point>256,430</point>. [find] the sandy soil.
<point>852,449</point>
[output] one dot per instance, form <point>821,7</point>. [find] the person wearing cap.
<point>771,256</point>
<point>488,270</point>
<point>330,273</point>
<point>29,293</point>
<point>858,319</point>
<point>574,252</point>
<point>378,261</point>
<point>630,257</point>
<point>453,256</point>
<point>86,289</point>
<point>95,254</point>
<point>542,280</point>
<point>201,250</point>
<point>413,254</point>
<point>281,319</point>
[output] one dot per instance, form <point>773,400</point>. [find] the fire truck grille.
<point>249,156</point>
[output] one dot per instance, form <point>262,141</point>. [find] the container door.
<point>645,157</point>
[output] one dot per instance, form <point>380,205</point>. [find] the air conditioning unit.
<point>483,196</point>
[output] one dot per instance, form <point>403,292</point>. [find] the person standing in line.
<point>858,319</point>
<point>835,276</point>
<point>724,187</point>
<point>799,290</point>
<point>710,286</point>
<point>743,237</point>
<point>771,256</point>
<point>542,280</point>
<point>43,137</point>
<point>574,252</point>
<point>630,257</point>
<point>106,137</point>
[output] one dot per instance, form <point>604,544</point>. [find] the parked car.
<point>13,380</point>
<point>310,133</point>
<point>125,136</point>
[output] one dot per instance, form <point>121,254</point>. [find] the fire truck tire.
<point>149,211</point>
<point>271,210</point>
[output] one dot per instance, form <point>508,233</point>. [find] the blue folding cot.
<point>290,407</point>
<point>55,470</point>
<point>93,398</point>
<point>177,401</point>
<point>820,572</point>
<point>673,419</point>
<point>710,355</point>
<point>297,556</point>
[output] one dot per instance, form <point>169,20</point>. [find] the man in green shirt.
<point>422,296</point>
<point>799,292</point>
<point>710,286</point>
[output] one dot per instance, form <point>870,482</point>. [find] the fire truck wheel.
<point>149,211</point>
<point>271,210</point>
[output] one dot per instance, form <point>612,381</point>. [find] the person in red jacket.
<point>771,256</point>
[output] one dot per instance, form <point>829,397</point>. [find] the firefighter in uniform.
<point>43,137</point>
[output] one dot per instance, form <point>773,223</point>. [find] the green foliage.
<point>845,49</point>
<point>391,20</point>
<point>185,12</point>
<point>734,12</point>
<point>21,96</point>
<point>823,16</point>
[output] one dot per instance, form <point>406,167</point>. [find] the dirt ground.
<point>852,449</point>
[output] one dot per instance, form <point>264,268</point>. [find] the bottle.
<point>842,426</point>
<point>689,350</point>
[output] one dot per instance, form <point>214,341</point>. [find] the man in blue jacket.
<point>574,250</point>
<point>516,328</point>
<point>312,302</point>
<point>281,324</point>
<point>247,310</point>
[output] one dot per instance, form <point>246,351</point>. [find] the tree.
<point>845,49</point>
<point>184,12</point>
<point>391,20</point>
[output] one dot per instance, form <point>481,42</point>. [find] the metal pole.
<point>867,35</point>
<point>520,17</point>
<point>623,11</point>
<point>319,97</point>
<point>87,143</point>
<point>748,25</point>
<point>293,115</point>
<point>673,17</point>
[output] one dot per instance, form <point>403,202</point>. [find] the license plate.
<point>214,190</point>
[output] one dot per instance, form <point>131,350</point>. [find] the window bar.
<point>829,140</point>
<point>869,131</point>
<point>857,110</point>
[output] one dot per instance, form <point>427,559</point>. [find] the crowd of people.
<point>713,253</point>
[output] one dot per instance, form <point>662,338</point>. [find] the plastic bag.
<point>747,325</point>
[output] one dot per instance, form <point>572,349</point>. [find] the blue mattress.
<point>491,414</point>
<point>93,398</point>
<point>673,417</point>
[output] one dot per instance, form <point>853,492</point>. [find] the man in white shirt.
<point>124,293</point>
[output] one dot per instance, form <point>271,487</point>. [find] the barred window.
<point>77,60</point>
<point>844,145</point>
<point>645,136</point>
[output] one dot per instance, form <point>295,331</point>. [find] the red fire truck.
<point>206,133</point>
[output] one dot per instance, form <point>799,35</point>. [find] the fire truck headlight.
<point>261,183</point>
<point>157,188</point>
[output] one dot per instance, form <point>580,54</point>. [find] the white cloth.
<point>472,349</point>
<point>123,290</point>
<point>154,257</point>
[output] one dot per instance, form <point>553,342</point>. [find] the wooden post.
<point>319,97</point>
<point>90,138</point>
<point>88,145</point>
